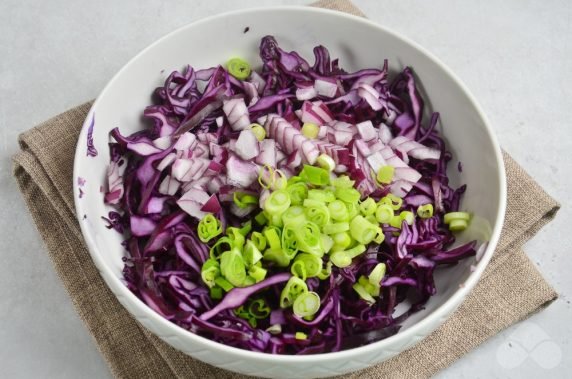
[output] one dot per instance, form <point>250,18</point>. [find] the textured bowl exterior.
<point>359,43</point>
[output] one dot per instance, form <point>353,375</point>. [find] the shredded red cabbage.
<point>154,174</point>
<point>91,150</point>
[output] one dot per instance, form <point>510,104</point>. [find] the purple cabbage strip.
<point>91,150</point>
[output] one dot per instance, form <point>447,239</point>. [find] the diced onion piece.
<point>246,145</point>
<point>167,161</point>
<point>192,202</point>
<point>370,95</point>
<point>237,113</point>
<point>241,173</point>
<point>162,142</point>
<point>366,130</point>
<point>326,88</point>
<point>307,93</point>
<point>186,141</point>
<point>169,186</point>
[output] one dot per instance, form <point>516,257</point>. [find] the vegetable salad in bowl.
<point>288,210</point>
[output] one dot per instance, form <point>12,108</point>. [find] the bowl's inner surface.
<point>357,45</point>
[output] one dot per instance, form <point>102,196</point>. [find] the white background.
<point>515,56</point>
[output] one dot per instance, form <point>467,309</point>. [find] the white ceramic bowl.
<point>358,43</point>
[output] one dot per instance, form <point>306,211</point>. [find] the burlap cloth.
<point>510,290</point>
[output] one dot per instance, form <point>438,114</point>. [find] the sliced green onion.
<point>215,293</point>
<point>257,273</point>
<point>316,212</point>
<point>245,314</point>
<point>306,304</point>
<point>326,272</point>
<point>368,207</point>
<point>312,264</point>
<point>248,281</point>
<point>236,237</point>
<point>232,267</point>
<point>408,217</point>
<point>362,292</point>
<point>394,201</point>
<point>338,210</point>
<point>336,228</point>
<point>377,274</point>
<point>294,215</point>
<point>241,312</point>
<point>246,228</point>
<point>384,213</point>
<point>224,284</point>
<point>299,270</point>
<point>258,240</point>
<point>344,258</point>
<point>385,174</point>
<point>251,254</point>
<point>272,237</point>
<point>274,329</point>
<point>353,210</point>
<point>261,219</point>
<point>324,196</point>
<point>277,202</point>
<point>380,237</point>
<point>259,309</point>
<point>266,176</point>
<point>340,259</point>
<point>309,238</point>
<point>371,219</point>
<point>343,181</point>
<point>295,179</point>
<point>290,241</point>
<point>239,68</point>
<point>279,180</point>
<point>276,220</point>
<point>348,195</point>
<point>243,200</point>
<point>370,288</point>
<point>327,243</point>
<point>396,221</point>
<point>221,245</point>
<point>298,192</point>
<point>458,225</point>
<point>293,288</point>
<point>326,162</point>
<point>258,131</point>
<point>300,336</point>
<point>315,175</point>
<point>277,256</point>
<point>209,227</point>
<point>456,216</point>
<point>355,251</point>
<point>362,230</point>
<point>342,240</point>
<point>310,130</point>
<point>425,211</point>
<point>210,271</point>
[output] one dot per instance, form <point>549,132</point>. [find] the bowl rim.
<point>422,327</point>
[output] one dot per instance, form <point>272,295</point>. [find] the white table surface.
<point>515,56</point>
